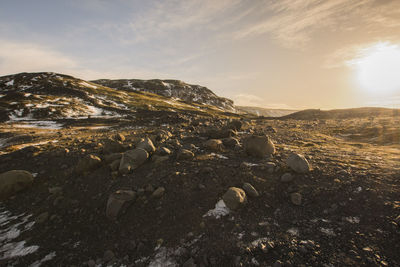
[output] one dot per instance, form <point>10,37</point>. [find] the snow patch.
<point>327,231</point>
<point>163,259</point>
<point>353,220</point>
<point>10,83</point>
<point>48,257</point>
<point>293,231</point>
<point>219,211</point>
<point>88,85</point>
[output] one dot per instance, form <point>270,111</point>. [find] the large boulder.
<point>132,159</point>
<point>118,202</point>
<point>146,144</point>
<point>259,146</point>
<point>218,133</point>
<point>88,163</point>
<point>14,181</point>
<point>250,190</point>
<point>298,163</point>
<point>234,198</point>
<point>230,142</point>
<point>235,125</point>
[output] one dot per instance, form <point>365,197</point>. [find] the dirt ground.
<point>348,216</point>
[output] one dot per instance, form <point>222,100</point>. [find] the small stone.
<point>214,144</point>
<point>189,263</point>
<point>287,177</point>
<point>112,146</point>
<point>56,190</point>
<point>114,166</point>
<point>230,142</point>
<point>132,159</point>
<point>159,192</point>
<point>298,163</point>
<point>185,154</point>
<point>277,263</point>
<point>91,263</point>
<point>296,198</point>
<point>250,190</point>
<point>234,198</point>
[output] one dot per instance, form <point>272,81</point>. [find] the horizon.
<point>268,54</point>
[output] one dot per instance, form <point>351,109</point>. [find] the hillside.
<point>172,89</point>
<point>366,112</point>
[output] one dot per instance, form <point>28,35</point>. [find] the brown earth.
<point>348,214</point>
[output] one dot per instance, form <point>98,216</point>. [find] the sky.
<point>270,53</point>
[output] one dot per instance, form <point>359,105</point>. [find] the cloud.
<point>26,57</point>
<point>293,22</point>
<point>18,57</point>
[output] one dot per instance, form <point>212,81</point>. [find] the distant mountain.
<point>172,89</point>
<point>266,112</point>
<point>311,114</point>
<point>52,96</point>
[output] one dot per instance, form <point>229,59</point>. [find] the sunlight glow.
<point>378,68</point>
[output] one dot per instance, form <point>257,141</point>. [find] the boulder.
<point>132,159</point>
<point>156,159</point>
<point>88,163</point>
<point>162,136</point>
<point>114,166</point>
<point>146,144</point>
<point>214,144</point>
<point>118,202</point>
<point>259,146</point>
<point>112,157</point>
<point>14,181</point>
<point>234,198</point>
<point>298,163</point>
<point>218,133</point>
<point>185,154</point>
<point>250,190</point>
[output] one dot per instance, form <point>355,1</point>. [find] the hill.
<point>365,112</point>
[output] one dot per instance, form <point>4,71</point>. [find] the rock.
<point>163,151</point>
<point>296,198</point>
<point>91,263</point>
<point>146,144</point>
<point>259,146</point>
<point>185,154</point>
<point>235,125</point>
<point>230,142</point>
<point>115,165</point>
<point>234,198</point>
<point>42,218</point>
<point>189,263</point>
<point>159,192</point>
<point>250,190</point>
<point>298,163</point>
<point>112,146</point>
<point>119,201</point>
<point>88,163</point>
<point>119,137</point>
<point>287,177</point>
<point>14,181</point>
<point>132,159</point>
<point>214,145</point>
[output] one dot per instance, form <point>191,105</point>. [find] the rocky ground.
<point>191,190</point>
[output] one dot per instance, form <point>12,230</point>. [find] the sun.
<point>377,68</point>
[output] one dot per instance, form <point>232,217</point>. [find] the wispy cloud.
<point>293,22</point>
